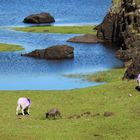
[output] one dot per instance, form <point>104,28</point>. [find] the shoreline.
<point>58,29</point>
<point>4,47</point>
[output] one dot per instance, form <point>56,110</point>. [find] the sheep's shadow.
<point>137,88</point>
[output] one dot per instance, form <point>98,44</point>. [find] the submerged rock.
<point>39,18</point>
<point>85,39</point>
<point>54,52</point>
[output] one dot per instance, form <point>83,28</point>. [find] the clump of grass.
<point>107,76</point>
<point>104,76</point>
<point>59,29</point>
<point>10,47</point>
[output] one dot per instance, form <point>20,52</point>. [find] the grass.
<point>113,96</point>
<point>9,47</point>
<point>104,76</point>
<point>58,29</point>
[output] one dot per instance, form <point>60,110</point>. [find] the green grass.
<point>124,125</point>
<point>59,29</point>
<point>104,76</point>
<point>9,47</point>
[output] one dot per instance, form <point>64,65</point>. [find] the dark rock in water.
<point>53,114</point>
<point>85,39</point>
<point>35,53</point>
<point>108,114</point>
<point>59,52</point>
<point>54,52</point>
<point>137,88</point>
<point>39,18</point>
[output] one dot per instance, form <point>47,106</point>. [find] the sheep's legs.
<point>17,109</point>
<point>28,110</point>
<point>22,111</point>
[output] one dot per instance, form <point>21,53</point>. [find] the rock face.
<point>39,18</point>
<point>122,26</point>
<point>85,39</point>
<point>54,52</point>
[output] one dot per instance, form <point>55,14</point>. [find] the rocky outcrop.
<point>122,26</point>
<point>88,38</point>
<point>39,18</point>
<point>54,52</point>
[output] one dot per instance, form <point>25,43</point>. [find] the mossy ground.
<point>58,29</point>
<point>9,47</point>
<point>113,96</point>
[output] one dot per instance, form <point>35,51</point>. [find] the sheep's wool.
<point>24,102</point>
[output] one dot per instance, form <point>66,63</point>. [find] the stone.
<point>88,38</point>
<point>39,18</point>
<point>55,52</point>
<point>134,69</point>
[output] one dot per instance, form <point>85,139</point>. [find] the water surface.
<point>24,73</point>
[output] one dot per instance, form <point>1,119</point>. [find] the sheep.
<point>24,104</point>
<point>53,113</point>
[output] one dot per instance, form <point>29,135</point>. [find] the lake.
<point>23,73</point>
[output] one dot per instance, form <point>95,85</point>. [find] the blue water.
<point>66,12</point>
<point>24,73</point>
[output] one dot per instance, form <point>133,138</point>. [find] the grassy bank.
<point>58,29</point>
<point>123,125</point>
<point>104,76</point>
<point>9,47</point>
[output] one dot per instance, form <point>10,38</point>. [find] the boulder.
<point>39,18</point>
<point>53,114</point>
<point>88,38</point>
<point>54,52</point>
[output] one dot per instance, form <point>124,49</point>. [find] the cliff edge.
<point>121,26</point>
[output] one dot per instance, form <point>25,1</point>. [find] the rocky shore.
<point>87,38</point>
<point>122,26</point>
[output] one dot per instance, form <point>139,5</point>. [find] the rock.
<point>59,52</point>
<point>134,69</point>
<point>130,95</point>
<point>122,26</point>
<point>108,114</point>
<point>85,39</point>
<point>53,114</point>
<point>39,18</point>
<point>54,52</point>
<point>35,53</point>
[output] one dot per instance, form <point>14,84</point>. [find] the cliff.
<point>122,27</point>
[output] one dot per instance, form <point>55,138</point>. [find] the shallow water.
<point>24,73</point>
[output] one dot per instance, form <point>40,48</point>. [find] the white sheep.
<point>24,104</point>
